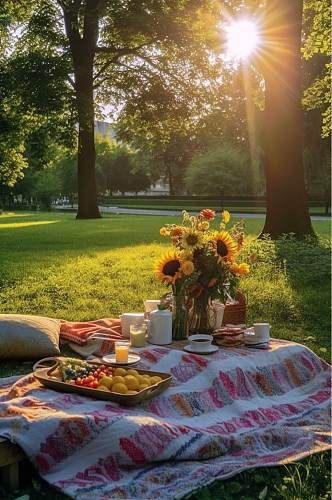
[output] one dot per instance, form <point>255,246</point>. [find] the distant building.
<point>104,129</point>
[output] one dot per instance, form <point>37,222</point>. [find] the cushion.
<point>28,337</point>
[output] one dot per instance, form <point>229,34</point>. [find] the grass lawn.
<point>53,265</point>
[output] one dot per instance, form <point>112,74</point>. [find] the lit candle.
<point>137,335</point>
<point>121,351</point>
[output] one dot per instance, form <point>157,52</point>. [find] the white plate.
<point>210,350</point>
<point>132,360</point>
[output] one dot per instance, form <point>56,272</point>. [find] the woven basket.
<point>236,314</point>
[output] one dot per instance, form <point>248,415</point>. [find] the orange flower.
<point>176,231</point>
<point>234,268</point>
<point>207,213</point>
<point>187,267</point>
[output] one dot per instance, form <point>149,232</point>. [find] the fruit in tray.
<point>103,378</point>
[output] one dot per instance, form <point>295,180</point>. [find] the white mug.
<point>128,319</point>
<point>262,330</point>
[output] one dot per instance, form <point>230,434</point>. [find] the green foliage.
<point>118,168</point>
<point>317,28</point>
<point>219,170</point>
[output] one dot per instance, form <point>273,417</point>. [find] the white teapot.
<point>159,327</point>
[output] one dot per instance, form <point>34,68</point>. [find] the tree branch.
<point>117,53</point>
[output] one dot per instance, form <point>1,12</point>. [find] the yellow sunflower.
<point>244,269</point>
<point>191,239</point>
<point>168,268</point>
<point>224,247</point>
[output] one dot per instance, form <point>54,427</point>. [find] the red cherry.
<point>102,374</point>
<point>78,381</point>
<point>94,384</point>
<point>102,367</point>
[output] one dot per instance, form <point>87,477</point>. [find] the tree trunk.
<point>287,206</point>
<point>83,50</point>
<point>86,157</point>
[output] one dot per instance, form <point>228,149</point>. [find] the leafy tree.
<point>287,207</point>
<point>102,40</point>
<point>34,109</point>
<point>66,168</point>
<point>317,45</point>
<point>221,169</point>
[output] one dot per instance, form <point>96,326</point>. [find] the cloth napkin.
<point>99,335</point>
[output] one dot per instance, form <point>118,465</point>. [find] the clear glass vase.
<point>180,314</point>
<point>201,315</point>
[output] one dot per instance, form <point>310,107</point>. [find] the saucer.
<point>211,349</point>
<point>132,360</point>
<point>255,341</point>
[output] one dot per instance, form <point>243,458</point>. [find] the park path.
<point>142,211</point>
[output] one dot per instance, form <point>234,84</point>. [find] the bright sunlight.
<point>242,38</point>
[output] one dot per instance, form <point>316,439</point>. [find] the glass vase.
<point>180,314</point>
<point>201,315</point>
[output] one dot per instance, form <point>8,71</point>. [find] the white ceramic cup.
<point>128,319</point>
<point>200,341</point>
<point>151,305</point>
<point>262,330</point>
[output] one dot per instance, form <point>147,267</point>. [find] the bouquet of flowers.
<point>201,267</point>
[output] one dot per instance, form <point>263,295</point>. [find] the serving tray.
<point>50,378</point>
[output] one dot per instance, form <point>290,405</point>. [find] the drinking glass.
<point>137,335</point>
<point>121,351</point>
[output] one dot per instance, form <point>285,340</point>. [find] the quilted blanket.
<point>227,412</point>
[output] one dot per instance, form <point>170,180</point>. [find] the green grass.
<point>51,264</point>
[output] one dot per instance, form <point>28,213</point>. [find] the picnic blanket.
<point>236,409</point>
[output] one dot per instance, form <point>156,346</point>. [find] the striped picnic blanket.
<point>233,410</point>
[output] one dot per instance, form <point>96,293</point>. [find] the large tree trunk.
<point>83,50</point>
<point>287,206</point>
<point>86,156</point>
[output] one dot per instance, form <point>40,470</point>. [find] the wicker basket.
<point>236,314</point>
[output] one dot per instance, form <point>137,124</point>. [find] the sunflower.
<point>191,239</point>
<point>168,268</point>
<point>224,247</point>
<point>244,269</point>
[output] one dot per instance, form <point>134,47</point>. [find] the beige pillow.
<point>28,337</point>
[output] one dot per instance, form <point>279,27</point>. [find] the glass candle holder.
<point>121,348</point>
<point>137,335</point>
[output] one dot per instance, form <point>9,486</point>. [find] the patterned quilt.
<point>236,409</point>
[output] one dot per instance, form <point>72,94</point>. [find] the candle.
<point>121,351</point>
<point>137,335</point>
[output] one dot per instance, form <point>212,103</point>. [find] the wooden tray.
<point>45,376</point>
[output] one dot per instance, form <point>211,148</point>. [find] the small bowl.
<point>200,341</point>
